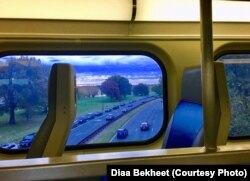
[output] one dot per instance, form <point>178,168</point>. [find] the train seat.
<point>185,128</point>
<point>51,138</point>
<point>224,103</point>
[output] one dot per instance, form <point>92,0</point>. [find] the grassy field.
<point>88,105</point>
<point>15,133</point>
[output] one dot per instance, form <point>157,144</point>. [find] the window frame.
<point>230,49</point>
<point>97,51</point>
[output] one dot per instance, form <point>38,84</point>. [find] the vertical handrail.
<point>210,108</point>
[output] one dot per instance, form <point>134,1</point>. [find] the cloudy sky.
<point>91,60</point>
<point>94,69</point>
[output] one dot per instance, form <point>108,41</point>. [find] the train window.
<point>237,67</point>
<point>119,99</point>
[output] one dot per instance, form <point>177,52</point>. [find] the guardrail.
<point>97,131</point>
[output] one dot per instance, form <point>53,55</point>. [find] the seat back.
<point>185,128</point>
<point>51,138</point>
<point>224,102</point>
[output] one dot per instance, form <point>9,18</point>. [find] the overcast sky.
<point>92,59</point>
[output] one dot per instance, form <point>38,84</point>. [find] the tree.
<point>239,92</point>
<point>141,90</point>
<point>111,89</point>
<point>158,88</point>
<point>81,93</point>
<point>24,85</point>
<point>34,92</point>
<point>28,99</point>
<point>116,87</point>
<point>87,91</point>
<point>9,92</point>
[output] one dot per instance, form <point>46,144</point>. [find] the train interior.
<point>93,84</point>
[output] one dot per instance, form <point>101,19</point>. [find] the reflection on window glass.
<point>238,82</point>
<point>119,98</point>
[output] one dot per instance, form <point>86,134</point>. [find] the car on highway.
<point>108,110</point>
<point>130,105</point>
<point>27,140</point>
<point>124,110</point>
<point>98,113</point>
<point>75,124</point>
<point>122,104</point>
<point>122,133</point>
<point>90,116</point>
<point>144,126</point>
<point>110,117</point>
<point>115,107</point>
<point>9,146</point>
<point>82,119</point>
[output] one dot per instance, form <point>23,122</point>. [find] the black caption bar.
<point>163,172</point>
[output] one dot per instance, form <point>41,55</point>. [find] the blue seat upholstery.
<point>187,124</point>
<point>185,128</point>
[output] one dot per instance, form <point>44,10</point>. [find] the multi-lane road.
<point>150,112</point>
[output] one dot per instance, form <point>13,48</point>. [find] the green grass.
<point>87,105</point>
<point>14,133</point>
<point>106,135</point>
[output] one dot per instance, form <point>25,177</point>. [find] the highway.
<point>153,114</point>
<point>90,127</point>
